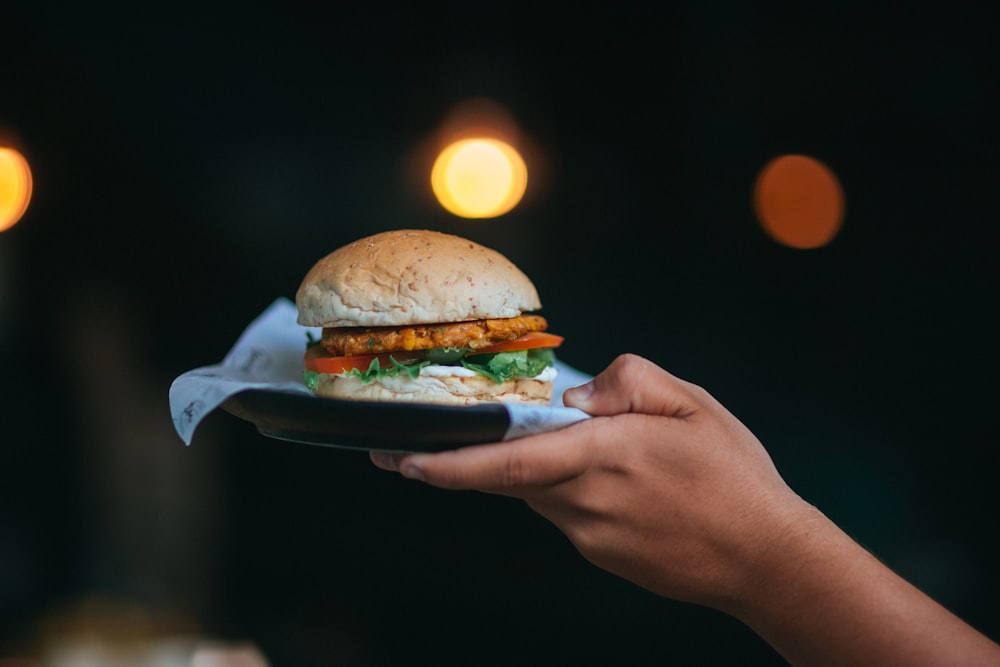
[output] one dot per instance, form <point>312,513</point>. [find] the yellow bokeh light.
<point>479,178</point>
<point>15,187</point>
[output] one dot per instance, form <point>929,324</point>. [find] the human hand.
<point>666,488</point>
<point>663,486</point>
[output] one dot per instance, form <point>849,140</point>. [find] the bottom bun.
<point>438,388</point>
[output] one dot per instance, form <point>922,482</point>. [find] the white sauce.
<point>548,375</point>
<point>443,371</point>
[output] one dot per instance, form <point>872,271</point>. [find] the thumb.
<point>633,384</point>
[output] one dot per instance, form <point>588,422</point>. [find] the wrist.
<point>797,556</point>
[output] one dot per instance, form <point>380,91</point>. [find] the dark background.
<point>189,168</point>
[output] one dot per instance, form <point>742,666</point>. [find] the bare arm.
<point>824,600</point>
<point>667,489</point>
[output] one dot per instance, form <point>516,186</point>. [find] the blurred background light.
<point>227,654</point>
<point>113,632</point>
<point>479,178</point>
<point>15,187</point>
<point>476,163</point>
<point>798,201</point>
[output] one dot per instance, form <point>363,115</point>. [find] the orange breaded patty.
<point>347,341</point>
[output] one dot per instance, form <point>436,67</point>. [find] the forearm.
<point>821,599</point>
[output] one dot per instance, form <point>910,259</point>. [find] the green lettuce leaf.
<point>503,366</point>
<point>375,370</point>
<point>310,378</point>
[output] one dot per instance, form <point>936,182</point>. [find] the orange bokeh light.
<point>799,201</point>
<point>15,187</point>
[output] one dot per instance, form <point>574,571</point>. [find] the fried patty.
<point>477,334</point>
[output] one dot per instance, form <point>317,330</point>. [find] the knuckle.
<point>628,363</point>
<point>513,473</point>
<point>628,371</point>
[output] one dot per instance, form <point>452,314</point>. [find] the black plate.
<point>415,427</point>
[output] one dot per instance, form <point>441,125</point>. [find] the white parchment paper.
<point>268,355</point>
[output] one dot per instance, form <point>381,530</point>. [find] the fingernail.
<point>580,394</point>
<point>383,459</point>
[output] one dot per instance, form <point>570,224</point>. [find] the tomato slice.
<point>529,341</point>
<point>316,359</point>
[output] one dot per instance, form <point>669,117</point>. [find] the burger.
<point>423,316</point>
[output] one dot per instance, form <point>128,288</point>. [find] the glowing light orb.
<point>799,202</point>
<point>479,178</point>
<point>15,187</point>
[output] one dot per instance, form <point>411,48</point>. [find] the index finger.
<point>512,467</point>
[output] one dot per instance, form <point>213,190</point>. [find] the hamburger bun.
<point>412,277</point>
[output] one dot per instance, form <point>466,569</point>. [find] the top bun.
<point>412,276</point>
